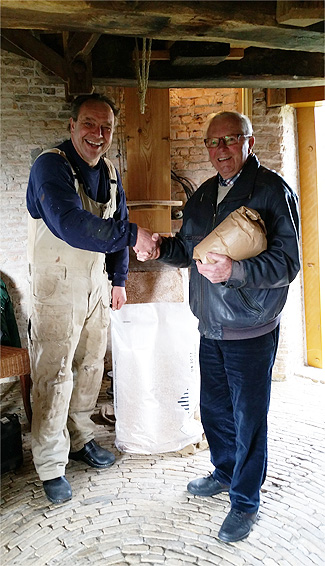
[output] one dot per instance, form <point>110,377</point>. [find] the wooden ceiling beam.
<point>253,23</point>
<point>258,67</point>
<point>220,81</point>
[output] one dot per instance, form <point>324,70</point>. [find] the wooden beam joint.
<point>77,52</point>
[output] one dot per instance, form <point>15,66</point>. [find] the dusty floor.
<point>139,512</point>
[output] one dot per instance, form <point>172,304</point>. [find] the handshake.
<point>147,245</point>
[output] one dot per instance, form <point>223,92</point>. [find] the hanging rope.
<point>121,152</point>
<point>142,70</point>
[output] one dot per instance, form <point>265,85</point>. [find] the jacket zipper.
<point>203,282</point>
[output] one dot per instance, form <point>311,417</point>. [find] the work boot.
<point>237,525</point>
<point>206,486</point>
<point>93,455</point>
<point>57,490</point>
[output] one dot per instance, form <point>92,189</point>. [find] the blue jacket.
<point>250,302</point>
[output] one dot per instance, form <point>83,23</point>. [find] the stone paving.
<point>139,512</point>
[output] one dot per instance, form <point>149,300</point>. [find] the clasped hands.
<point>148,247</point>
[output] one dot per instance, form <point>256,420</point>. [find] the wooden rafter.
<point>82,43</point>
<point>27,43</point>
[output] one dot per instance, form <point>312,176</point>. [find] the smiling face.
<point>92,132</point>
<point>228,160</point>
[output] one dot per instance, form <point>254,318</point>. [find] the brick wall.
<point>189,111</point>
<point>35,116</point>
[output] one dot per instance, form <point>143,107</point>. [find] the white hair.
<point>242,120</point>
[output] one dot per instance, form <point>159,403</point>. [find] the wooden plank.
<point>153,203</point>
<point>310,233</point>
<point>305,96</point>
<point>297,13</point>
<point>204,53</point>
<point>156,55</point>
<point>148,146</point>
<point>236,53</point>
<point>148,156</point>
<point>155,220</point>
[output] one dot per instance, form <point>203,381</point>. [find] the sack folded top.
<point>240,236</point>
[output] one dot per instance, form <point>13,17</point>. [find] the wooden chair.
<point>15,362</point>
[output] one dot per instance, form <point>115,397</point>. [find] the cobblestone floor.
<point>139,512</point>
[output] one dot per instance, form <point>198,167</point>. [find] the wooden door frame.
<point>305,100</point>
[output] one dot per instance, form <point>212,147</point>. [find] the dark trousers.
<point>235,396</point>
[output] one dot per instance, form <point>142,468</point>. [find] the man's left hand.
<point>118,298</point>
<point>218,271</point>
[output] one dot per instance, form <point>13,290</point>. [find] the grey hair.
<point>242,120</point>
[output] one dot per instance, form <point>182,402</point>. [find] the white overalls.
<point>69,304</point>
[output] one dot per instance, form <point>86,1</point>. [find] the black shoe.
<point>57,490</point>
<point>206,486</point>
<point>237,525</point>
<point>94,455</point>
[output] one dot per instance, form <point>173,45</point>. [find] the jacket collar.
<point>242,188</point>
<point>244,185</point>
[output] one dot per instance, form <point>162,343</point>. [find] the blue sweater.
<point>51,195</point>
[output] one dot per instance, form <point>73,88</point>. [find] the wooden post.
<point>310,233</point>
<point>245,101</point>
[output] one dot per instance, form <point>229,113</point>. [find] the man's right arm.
<point>51,195</point>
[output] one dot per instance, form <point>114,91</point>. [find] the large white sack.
<point>156,377</point>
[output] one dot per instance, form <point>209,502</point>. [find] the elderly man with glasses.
<point>238,304</point>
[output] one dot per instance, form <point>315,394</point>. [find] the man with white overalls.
<point>78,238</point>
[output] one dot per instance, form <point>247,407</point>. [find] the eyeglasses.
<point>227,140</point>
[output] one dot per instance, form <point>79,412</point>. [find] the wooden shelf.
<point>154,204</point>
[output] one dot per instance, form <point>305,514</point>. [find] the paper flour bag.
<point>241,235</point>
